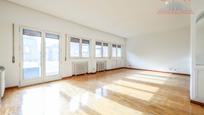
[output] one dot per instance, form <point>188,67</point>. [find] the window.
<point>119,51</point>
<point>32,49</point>
<point>74,47</point>
<point>114,50</point>
<point>101,49</point>
<point>105,49</point>
<point>52,54</point>
<point>98,49</point>
<point>79,47</point>
<point>85,48</point>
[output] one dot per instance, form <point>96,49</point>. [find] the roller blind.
<point>98,43</point>
<point>113,45</point>
<point>77,40</point>
<point>85,41</point>
<point>32,33</point>
<point>49,35</point>
<point>105,44</point>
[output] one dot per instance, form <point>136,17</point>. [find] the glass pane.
<point>85,50</point>
<point>98,51</point>
<point>31,57</point>
<point>74,49</point>
<point>114,52</point>
<point>119,52</point>
<point>52,56</point>
<point>105,51</point>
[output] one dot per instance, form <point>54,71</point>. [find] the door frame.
<point>42,78</point>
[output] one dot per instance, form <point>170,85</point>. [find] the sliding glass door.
<point>40,56</point>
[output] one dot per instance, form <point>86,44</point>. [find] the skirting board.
<point>134,69</point>
<point>94,72</point>
<point>158,71</point>
<point>116,69</point>
<point>13,87</point>
<point>198,103</point>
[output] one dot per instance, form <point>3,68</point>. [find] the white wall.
<point>167,51</point>
<point>11,13</point>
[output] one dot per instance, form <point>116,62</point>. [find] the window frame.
<point>112,50</point>
<point>116,50</point>
<point>102,56</point>
<point>89,48</point>
<point>60,48</point>
<point>43,31</point>
<point>101,50</point>
<point>80,47</point>
<point>108,50</point>
<point>120,50</point>
<point>71,57</point>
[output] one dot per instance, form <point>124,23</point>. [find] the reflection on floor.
<point>118,92</point>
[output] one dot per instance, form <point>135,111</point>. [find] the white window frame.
<point>101,49</point>
<point>80,47</point>
<point>89,48</point>
<point>71,57</point>
<point>116,50</point>
<point>108,50</point>
<point>102,56</point>
<point>112,50</point>
<point>43,78</point>
<point>120,50</point>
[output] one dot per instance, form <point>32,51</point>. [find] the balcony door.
<point>40,56</point>
<point>52,55</point>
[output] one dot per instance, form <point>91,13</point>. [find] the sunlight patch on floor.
<point>146,96</point>
<point>145,79</point>
<point>151,77</point>
<point>139,86</point>
<point>48,101</point>
<point>155,73</point>
<point>81,97</point>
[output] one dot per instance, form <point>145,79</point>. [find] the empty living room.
<point>101,57</point>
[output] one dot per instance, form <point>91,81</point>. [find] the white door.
<point>40,56</point>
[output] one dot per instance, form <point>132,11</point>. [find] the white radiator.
<point>101,65</point>
<point>2,81</point>
<point>80,67</point>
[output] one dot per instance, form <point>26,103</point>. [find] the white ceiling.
<point>125,18</point>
